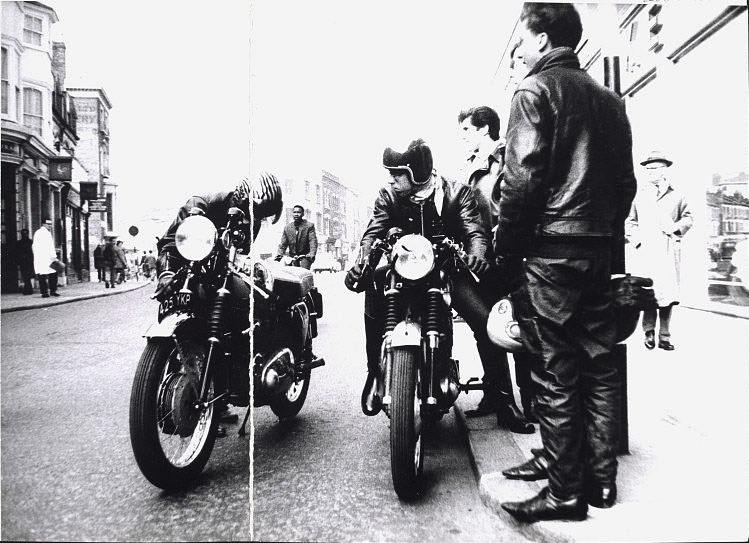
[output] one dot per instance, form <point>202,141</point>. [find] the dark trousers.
<point>27,275</point>
<point>47,283</point>
<point>101,274</point>
<point>663,315</point>
<point>471,305</point>
<point>564,311</point>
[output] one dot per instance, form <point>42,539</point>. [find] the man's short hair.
<point>561,22</point>
<point>298,207</point>
<point>482,116</point>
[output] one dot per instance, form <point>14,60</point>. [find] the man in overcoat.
<point>567,190</point>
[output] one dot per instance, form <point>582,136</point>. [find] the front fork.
<point>215,329</point>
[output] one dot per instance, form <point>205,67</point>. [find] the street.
<point>68,471</point>
<point>325,476</point>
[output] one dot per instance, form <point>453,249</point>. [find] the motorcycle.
<point>419,379</point>
<point>197,355</point>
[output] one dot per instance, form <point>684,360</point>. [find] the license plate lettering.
<point>176,301</point>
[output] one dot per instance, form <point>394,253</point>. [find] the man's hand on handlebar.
<point>356,278</point>
<point>476,264</point>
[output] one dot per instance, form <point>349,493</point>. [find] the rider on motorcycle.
<point>265,195</point>
<point>420,198</point>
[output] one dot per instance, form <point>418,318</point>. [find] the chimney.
<point>58,64</point>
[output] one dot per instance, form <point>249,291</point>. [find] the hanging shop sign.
<point>98,205</point>
<point>61,168</point>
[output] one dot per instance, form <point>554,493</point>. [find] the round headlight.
<point>195,237</point>
<point>414,257</point>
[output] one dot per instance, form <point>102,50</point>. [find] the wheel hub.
<point>178,405</point>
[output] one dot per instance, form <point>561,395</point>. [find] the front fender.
<point>167,326</point>
<point>406,334</point>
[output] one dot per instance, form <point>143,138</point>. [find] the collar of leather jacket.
<point>563,57</point>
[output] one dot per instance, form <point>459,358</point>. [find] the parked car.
<point>325,262</point>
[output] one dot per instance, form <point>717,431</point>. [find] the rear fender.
<point>406,334</point>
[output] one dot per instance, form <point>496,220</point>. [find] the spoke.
<point>164,417</point>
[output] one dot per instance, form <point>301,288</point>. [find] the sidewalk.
<point>687,475</point>
<point>70,293</point>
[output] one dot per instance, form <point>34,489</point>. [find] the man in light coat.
<point>657,222</point>
<point>44,254</point>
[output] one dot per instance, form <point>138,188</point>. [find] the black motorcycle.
<point>197,356</point>
<point>419,379</point>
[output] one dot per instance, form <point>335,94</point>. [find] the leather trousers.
<point>564,311</point>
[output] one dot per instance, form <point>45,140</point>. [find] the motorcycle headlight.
<point>195,237</point>
<point>263,274</point>
<point>414,257</point>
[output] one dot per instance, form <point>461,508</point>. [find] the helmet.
<point>264,193</point>
<point>502,328</point>
<point>416,160</point>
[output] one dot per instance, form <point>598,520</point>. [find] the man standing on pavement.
<point>479,128</point>
<point>26,261</point>
<point>300,238</point>
<point>101,269</point>
<point>567,190</point>
<point>43,247</point>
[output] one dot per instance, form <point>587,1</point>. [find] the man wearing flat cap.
<point>657,222</point>
<point>416,196</point>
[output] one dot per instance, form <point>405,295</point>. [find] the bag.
<point>57,266</point>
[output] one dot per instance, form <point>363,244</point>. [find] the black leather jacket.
<point>569,171</point>
<point>459,217</point>
<point>215,207</point>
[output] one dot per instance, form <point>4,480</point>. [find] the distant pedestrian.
<point>120,262</point>
<point>108,261</point>
<point>151,263</point>
<point>26,261</point>
<point>101,268</point>
<point>657,222</point>
<point>43,248</point>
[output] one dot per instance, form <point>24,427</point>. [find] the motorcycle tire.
<point>406,451</point>
<point>288,405</point>
<point>156,464</point>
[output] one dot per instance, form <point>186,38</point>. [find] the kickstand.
<point>242,432</point>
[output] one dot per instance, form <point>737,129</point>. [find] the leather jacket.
<point>215,207</point>
<point>459,216</point>
<point>568,169</point>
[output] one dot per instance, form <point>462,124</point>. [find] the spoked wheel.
<point>289,404</point>
<point>171,439</point>
<point>406,441</point>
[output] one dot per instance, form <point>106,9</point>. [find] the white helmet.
<point>502,328</point>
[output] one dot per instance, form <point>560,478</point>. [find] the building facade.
<point>682,70</point>
<point>38,141</point>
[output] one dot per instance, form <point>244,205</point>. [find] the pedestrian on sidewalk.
<point>479,128</point>
<point>151,265</point>
<point>26,261</point>
<point>657,222</point>
<point>108,261</point>
<point>101,268</point>
<point>120,262</point>
<point>567,190</point>
<point>43,248</point>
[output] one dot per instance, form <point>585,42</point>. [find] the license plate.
<point>178,300</point>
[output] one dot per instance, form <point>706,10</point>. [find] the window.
<point>6,83</point>
<point>32,110</point>
<point>32,30</point>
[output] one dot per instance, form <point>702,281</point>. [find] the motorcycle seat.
<point>291,283</point>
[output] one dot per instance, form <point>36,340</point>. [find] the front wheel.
<point>406,452</point>
<point>171,439</point>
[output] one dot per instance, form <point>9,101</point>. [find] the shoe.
<point>601,496</point>
<point>528,411</point>
<point>486,406</point>
<point>510,418</point>
<point>371,403</point>
<point>666,345</point>
<point>545,506</point>
<point>537,452</point>
<point>650,340</point>
<point>106,285</point>
<point>45,295</point>
<point>53,294</point>
<point>531,470</point>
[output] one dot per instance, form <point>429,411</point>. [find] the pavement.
<point>686,477</point>
<point>70,293</point>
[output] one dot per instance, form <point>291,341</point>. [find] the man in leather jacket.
<point>567,189</point>
<point>417,196</point>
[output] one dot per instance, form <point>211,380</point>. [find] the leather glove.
<point>477,264</point>
<point>633,292</point>
<point>355,279</point>
<point>278,258</point>
<point>164,286</point>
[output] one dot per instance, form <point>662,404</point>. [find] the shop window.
<point>6,83</point>
<point>32,110</point>
<point>32,30</point>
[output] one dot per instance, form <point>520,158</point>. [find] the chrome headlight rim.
<point>414,257</point>
<point>195,238</point>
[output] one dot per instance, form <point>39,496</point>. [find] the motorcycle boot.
<point>508,414</point>
<point>371,399</point>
